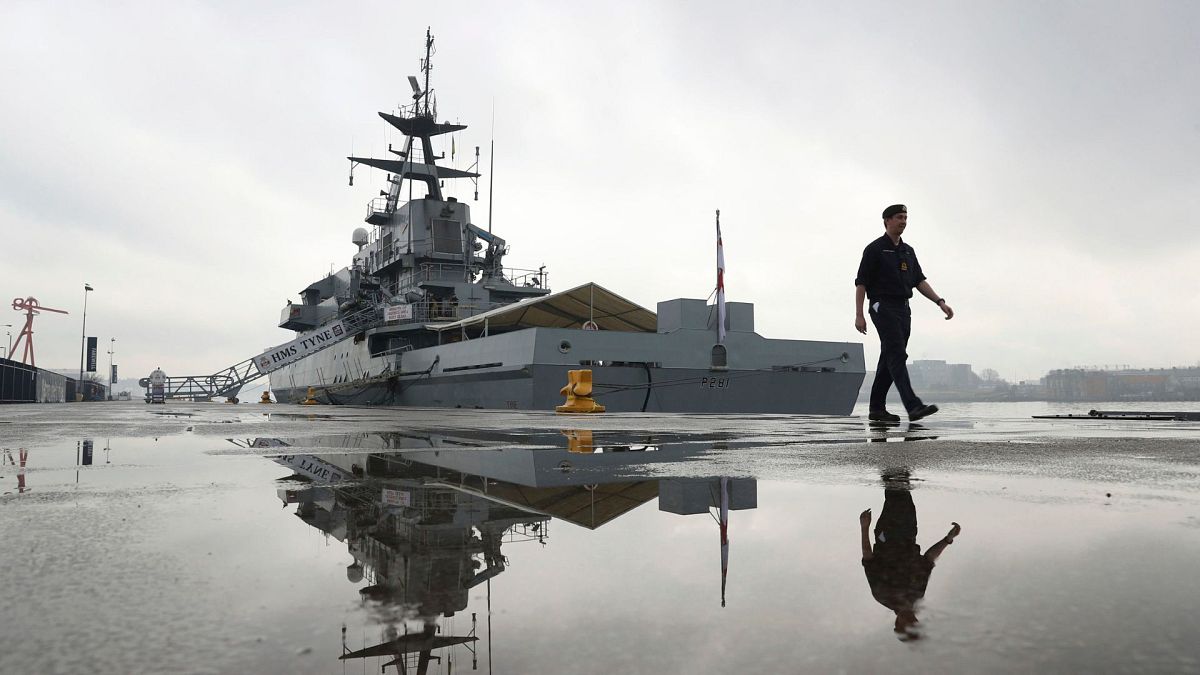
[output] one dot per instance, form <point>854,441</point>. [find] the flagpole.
<point>83,344</point>
<point>720,283</point>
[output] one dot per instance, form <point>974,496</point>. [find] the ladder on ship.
<point>229,381</point>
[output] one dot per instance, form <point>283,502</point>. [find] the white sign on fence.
<point>397,312</point>
<point>306,344</point>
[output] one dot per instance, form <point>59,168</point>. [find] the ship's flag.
<point>720,283</point>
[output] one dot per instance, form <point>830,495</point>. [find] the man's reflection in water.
<point>896,570</point>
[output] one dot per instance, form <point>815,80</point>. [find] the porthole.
<point>564,346</point>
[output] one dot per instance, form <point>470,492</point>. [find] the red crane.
<point>32,308</point>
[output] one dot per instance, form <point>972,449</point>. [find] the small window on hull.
<point>720,357</point>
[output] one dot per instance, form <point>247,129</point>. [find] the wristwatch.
<point>939,302</point>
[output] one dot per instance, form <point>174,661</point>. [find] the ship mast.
<point>426,67</point>
<point>418,122</point>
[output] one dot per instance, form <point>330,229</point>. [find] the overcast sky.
<point>188,160</point>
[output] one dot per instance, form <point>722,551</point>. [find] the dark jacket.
<point>889,271</point>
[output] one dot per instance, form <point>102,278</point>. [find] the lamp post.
<point>112,347</point>
<point>9,334</point>
<point>83,347</point>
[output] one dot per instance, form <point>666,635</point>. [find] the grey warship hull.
<point>632,372</point>
<point>537,388</point>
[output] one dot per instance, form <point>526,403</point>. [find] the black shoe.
<point>923,411</point>
<point>882,416</point>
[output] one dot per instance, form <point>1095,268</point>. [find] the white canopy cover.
<point>565,309</point>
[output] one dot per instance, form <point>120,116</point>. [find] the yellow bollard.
<point>312,399</point>
<point>579,394</point>
<point>579,441</point>
<point>266,397</point>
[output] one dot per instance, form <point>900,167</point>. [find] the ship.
<point>427,314</point>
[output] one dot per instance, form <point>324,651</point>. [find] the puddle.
<point>537,544</point>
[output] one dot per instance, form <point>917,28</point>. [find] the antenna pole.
<point>491,181</point>
<point>427,66</point>
<point>492,167</point>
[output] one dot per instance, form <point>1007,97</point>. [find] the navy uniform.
<point>890,272</point>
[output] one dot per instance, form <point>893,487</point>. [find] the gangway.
<point>226,383</point>
<point>229,382</point>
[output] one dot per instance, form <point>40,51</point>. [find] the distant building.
<point>1092,384</point>
<point>942,376</point>
<point>937,379</point>
<point>1184,382</point>
<point>1077,384</point>
<point>1027,390</point>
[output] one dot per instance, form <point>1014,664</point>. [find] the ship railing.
<point>538,278</point>
<point>396,350</point>
<point>430,272</point>
<point>378,210</point>
<point>384,257</point>
<point>534,530</point>
<point>363,319</point>
<point>442,272</point>
<point>412,110</point>
<point>459,273</point>
<point>450,309</point>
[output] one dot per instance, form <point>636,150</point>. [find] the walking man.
<point>887,275</point>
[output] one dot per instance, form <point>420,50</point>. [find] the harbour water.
<point>211,538</point>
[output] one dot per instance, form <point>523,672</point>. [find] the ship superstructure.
<point>423,259</point>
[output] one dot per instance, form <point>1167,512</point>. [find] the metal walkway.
<point>229,382</point>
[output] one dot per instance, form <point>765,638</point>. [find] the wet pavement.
<point>230,539</point>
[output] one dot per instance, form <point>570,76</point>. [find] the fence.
<point>18,382</point>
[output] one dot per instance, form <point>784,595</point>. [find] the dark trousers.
<point>893,323</point>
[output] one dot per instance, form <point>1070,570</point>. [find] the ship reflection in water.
<point>425,518</point>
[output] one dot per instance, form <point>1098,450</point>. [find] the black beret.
<point>893,210</point>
